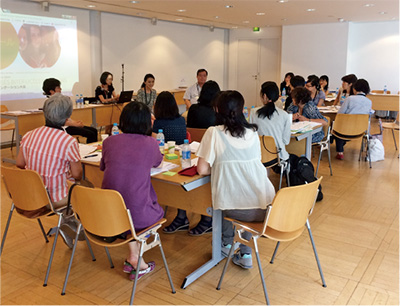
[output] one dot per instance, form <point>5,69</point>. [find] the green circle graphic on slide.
<point>9,44</point>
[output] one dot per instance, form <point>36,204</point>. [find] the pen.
<point>93,155</point>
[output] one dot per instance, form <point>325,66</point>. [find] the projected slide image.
<point>38,45</point>
<point>34,48</point>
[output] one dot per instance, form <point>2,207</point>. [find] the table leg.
<point>17,140</point>
<point>308,146</point>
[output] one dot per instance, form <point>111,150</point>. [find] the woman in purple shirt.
<point>126,162</point>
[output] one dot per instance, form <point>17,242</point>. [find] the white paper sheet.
<point>303,126</point>
<point>164,167</point>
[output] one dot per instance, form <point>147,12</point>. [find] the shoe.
<point>245,260</point>
<point>340,156</point>
<point>70,226</point>
<point>151,267</point>
<point>127,267</point>
<point>227,247</point>
<point>177,225</point>
<point>201,228</point>
<point>67,239</point>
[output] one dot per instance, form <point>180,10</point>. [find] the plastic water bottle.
<point>246,113</point>
<point>284,92</point>
<point>385,90</point>
<point>114,130</point>
<point>186,161</point>
<point>81,101</point>
<point>337,91</point>
<point>161,140</point>
<point>77,101</point>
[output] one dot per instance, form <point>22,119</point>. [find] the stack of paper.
<point>303,126</point>
<point>164,167</point>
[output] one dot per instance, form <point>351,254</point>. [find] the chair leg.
<point>165,211</point>
<point>280,178</point>
<point>361,149</point>
<point>329,157</point>
<point>319,160</point>
<point>287,176</point>
<point>394,139</point>
<point>166,266</point>
<point>276,250</point>
<point>109,258</point>
<point>72,258</point>
<point>260,269</point>
<point>12,139</point>
<point>315,253</point>
<point>368,153</point>
<point>6,229</point>
<point>43,232</point>
<point>89,246</point>
<point>137,273</point>
<point>52,251</point>
<point>226,263</point>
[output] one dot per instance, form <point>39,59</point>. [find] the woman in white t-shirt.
<point>231,153</point>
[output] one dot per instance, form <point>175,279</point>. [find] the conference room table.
<point>301,143</point>
<point>189,193</point>
<point>384,102</point>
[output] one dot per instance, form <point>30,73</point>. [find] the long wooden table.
<point>384,102</point>
<point>301,143</point>
<point>189,193</point>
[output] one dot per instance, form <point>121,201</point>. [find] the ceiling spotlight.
<point>216,17</point>
<point>182,10</point>
<point>284,19</point>
<point>282,1</point>
<point>228,6</point>
<point>382,13</point>
<point>211,27</point>
<point>134,2</point>
<point>234,27</point>
<point>340,19</point>
<point>91,6</point>
<point>311,10</point>
<point>260,14</point>
<point>154,21</point>
<point>179,19</point>
<point>369,5</point>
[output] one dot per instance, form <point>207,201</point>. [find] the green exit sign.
<point>256,29</point>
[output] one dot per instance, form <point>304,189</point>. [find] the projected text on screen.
<point>34,48</point>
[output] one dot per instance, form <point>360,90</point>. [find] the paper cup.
<point>171,147</point>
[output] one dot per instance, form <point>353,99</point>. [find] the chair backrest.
<point>290,210</point>
<point>196,134</point>
<point>325,128</point>
<point>102,212</point>
<point>3,120</point>
<point>380,91</point>
<point>269,152</point>
<point>25,188</point>
<point>350,124</point>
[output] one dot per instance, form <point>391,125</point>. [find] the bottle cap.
<point>186,141</point>
<point>115,124</point>
<point>160,130</point>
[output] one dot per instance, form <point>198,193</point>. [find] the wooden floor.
<point>355,227</point>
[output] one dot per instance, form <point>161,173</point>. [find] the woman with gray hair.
<point>51,152</point>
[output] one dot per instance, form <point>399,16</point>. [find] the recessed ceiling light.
<point>216,17</point>
<point>282,1</point>
<point>228,6</point>
<point>340,19</point>
<point>134,2</point>
<point>139,14</point>
<point>260,14</point>
<point>246,21</point>
<point>91,5</point>
<point>179,19</point>
<point>382,13</point>
<point>311,10</point>
<point>284,19</point>
<point>369,5</point>
<point>182,10</point>
<point>234,27</point>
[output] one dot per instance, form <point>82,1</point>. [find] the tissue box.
<point>171,156</point>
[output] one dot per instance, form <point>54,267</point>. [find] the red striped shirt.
<point>49,152</point>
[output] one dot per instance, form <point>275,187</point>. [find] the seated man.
<point>56,160</point>
<point>52,86</point>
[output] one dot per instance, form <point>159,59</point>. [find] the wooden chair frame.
<point>196,134</point>
<point>392,126</point>
<point>325,145</point>
<point>11,126</point>
<point>102,213</point>
<point>284,221</point>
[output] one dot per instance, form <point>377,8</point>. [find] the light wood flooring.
<point>355,227</point>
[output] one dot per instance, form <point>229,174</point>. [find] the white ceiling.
<point>243,13</point>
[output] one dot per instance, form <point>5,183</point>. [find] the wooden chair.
<point>102,213</point>
<point>28,193</point>
<point>270,157</point>
<point>7,125</point>
<point>196,134</point>
<point>380,92</point>
<point>350,127</point>
<point>392,126</point>
<point>325,144</point>
<point>284,221</point>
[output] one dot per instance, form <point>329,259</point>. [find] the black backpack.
<point>302,171</point>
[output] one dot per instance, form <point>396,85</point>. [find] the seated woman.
<point>305,110</point>
<point>168,119</point>
<point>317,96</point>
<point>73,127</point>
<point>286,83</point>
<point>56,161</point>
<point>324,84</point>
<point>296,81</point>
<point>240,187</point>
<point>202,116</point>
<point>272,121</point>
<point>358,103</point>
<point>106,92</point>
<point>126,162</point>
<point>146,94</point>
<point>345,90</point>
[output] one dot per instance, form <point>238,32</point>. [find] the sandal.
<point>177,225</point>
<point>127,267</point>
<point>201,228</point>
<point>150,268</point>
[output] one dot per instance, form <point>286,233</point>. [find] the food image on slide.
<point>34,48</point>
